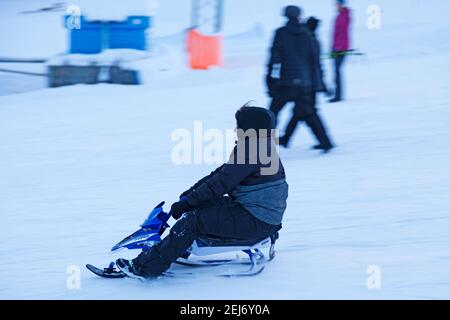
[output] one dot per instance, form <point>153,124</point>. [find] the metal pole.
<point>194,13</point>
<point>219,15</point>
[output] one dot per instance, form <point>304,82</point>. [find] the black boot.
<point>319,131</point>
<point>284,142</point>
<point>334,100</point>
<point>129,268</point>
<point>325,149</point>
<point>151,263</point>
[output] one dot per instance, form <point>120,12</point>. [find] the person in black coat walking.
<point>293,75</point>
<point>252,209</point>
<point>320,86</point>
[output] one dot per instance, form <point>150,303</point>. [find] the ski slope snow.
<point>81,166</point>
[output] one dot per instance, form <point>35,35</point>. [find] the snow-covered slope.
<point>81,166</point>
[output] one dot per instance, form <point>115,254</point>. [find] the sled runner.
<point>110,272</point>
<point>153,228</point>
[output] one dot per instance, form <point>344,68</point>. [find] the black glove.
<point>186,193</point>
<point>178,208</point>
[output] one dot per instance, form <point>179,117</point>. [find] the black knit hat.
<point>292,12</point>
<point>254,118</point>
<point>312,23</point>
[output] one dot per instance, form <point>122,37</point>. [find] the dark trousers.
<point>304,110</point>
<point>222,217</point>
<point>338,62</point>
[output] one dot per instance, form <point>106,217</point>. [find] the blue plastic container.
<point>95,36</point>
<point>129,34</point>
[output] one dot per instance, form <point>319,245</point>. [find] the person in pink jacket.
<point>341,45</point>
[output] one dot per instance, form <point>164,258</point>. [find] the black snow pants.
<point>338,62</point>
<point>222,217</point>
<point>304,110</point>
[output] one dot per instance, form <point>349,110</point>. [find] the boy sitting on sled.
<point>254,180</point>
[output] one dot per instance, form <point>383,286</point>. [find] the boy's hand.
<point>178,208</point>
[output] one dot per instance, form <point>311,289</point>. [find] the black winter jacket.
<point>225,178</point>
<point>295,51</point>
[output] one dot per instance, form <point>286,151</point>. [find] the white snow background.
<point>81,166</point>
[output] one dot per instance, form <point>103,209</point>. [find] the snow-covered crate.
<point>93,36</point>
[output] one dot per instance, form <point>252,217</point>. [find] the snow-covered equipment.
<point>150,232</point>
<point>95,36</point>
